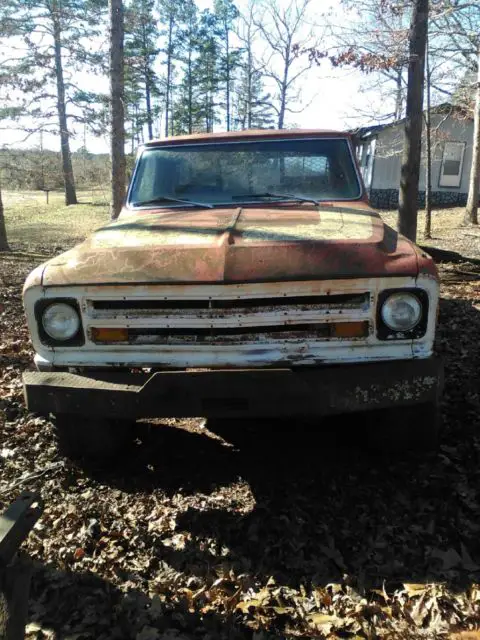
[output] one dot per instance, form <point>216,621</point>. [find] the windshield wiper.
<point>283,196</point>
<point>144,203</point>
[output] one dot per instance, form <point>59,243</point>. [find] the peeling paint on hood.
<point>227,245</point>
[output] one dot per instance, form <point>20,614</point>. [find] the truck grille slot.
<point>227,336</point>
<point>234,331</point>
<point>306,302</point>
<point>224,335</point>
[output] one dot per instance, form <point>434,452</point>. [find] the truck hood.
<point>300,242</point>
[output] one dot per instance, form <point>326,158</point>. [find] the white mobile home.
<point>379,152</point>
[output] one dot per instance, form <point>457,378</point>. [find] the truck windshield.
<point>240,172</point>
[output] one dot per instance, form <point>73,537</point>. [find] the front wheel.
<point>413,428</point>
<point>81,436</point>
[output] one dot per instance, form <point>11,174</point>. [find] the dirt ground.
<point>448,233</point>
<point>265,530</point>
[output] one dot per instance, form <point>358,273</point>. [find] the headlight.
<point>60,321</point>
<point>401,311</point>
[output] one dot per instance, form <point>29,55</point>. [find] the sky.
<point>330,97</point>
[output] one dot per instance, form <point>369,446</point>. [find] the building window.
<point>452,164</point>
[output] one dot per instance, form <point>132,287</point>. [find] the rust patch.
<point>249,134</point>
<point>302,243</point>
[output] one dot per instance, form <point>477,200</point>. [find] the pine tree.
<point>187,108</point>
<point>135,117</point>
<point>141,35</point>
<point>206,69</point>
<point>51,32</point>
<point>226,14</point>
<point>252,105</point>
<point>169,16</point>
<point>189,116</point>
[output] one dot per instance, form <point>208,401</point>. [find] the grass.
<point>34,225</point>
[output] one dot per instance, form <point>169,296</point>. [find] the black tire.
<point>81,436</point>
<point>414,428</point>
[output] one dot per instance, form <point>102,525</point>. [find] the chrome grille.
<point>223,318</point>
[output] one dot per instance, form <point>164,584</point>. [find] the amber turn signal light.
<point>109,335</point>
<point>349,329</point>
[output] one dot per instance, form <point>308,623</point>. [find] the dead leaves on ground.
<point>271,540</point>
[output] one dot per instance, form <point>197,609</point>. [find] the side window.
<point>452,164</point>
<point>145,178</point>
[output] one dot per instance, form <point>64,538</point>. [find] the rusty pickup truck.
<point>246,275</point>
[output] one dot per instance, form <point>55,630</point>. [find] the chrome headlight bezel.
<point>41,307</point>
<point>418,330</point>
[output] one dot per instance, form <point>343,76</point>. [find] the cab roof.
<point>249,135</point>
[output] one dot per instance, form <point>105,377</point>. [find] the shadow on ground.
<point>326,505</point>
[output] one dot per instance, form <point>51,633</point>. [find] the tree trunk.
<point>410,172</point>
<point>133,135</point>
<point>249,87</point>
<point>190,91</point>
<point>138,127</point>
<point>3,230</point>
<point>169,76</point>
<point>428,172</point>
<point>399,96</point>
<point>172,121</point>
<point>283,90</point>
<point>68,179</point>
<point>283,102</point>
<point>428,180</point>
<point>227,69</point>
<point>148,87</point>
<point>471,212</point>
<point>148,103</point>
<point>117,134</point>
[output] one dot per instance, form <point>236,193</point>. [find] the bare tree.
<point>410,171</point>
<point>373,37</point>
<point>117,134</point>
<point>246,32</point>
<point>471,212</point>
<point>252,103</point>
<point>457,27</point>
<point>285,30</point>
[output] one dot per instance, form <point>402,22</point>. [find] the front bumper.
<point>327,390</point>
